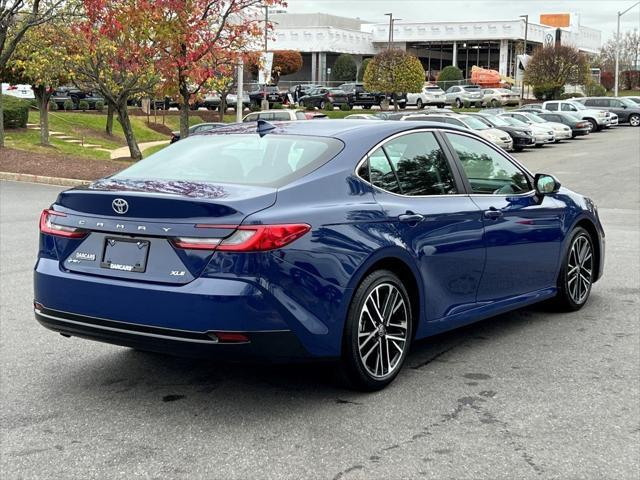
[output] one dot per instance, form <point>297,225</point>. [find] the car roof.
<point>342,129</point>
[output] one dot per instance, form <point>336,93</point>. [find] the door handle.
<point>410,217</point>
<point>493,213</point>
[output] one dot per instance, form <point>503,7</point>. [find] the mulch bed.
<point>56,165</point>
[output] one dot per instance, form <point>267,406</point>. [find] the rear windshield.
<point>247,159</point>
<point>471,87</point>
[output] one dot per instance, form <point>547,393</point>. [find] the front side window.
<point>487,170</point>
<point>420,165</point>
<point>552,106</point>
<point>567,107</point>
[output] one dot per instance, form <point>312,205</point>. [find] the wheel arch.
<point>401,263</point>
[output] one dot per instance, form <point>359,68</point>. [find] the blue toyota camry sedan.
<point>342,239</point>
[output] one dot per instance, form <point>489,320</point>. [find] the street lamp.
<point>620,14</point>
<point>524,53</point>
<point>390,15</point>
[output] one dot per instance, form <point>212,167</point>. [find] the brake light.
<point>247,238</point>
<point>46,226</point>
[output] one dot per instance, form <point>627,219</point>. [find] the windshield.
<point>474,123</point>
<point>498,121</point>
<point>534,118</point>
<point>513,121</point>
<point>628,103</point>
<point>248,159</point>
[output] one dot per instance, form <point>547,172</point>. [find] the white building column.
<point>314,68</point>
<point>504,57</point>
<point>322,67</point>
<point>454,58</point>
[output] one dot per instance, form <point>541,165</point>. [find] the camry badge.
<point>120,206</point>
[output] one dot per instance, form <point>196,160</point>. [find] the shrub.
<point>310,108</point>
<point>328,107</point>
<point>607,80</point>
<point>545,92</point>
<point>99,105</point>
<point>277,106</point>
<point>53,106</point>
<point>83,105</point>
<point>630,79</point>
<point>345,107</point>
<point>363,67</point>
<point>68,105</point>
<point>567,96</point>
<point>344,69</point>
<point>16,112</point>
<point>594,89</point>
<point>448,76</point>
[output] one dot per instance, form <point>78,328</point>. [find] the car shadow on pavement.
<point>136,380</point>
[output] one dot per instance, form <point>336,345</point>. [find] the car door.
<point>422,196</point>
<point>616,106</point>
<point>523,232</point>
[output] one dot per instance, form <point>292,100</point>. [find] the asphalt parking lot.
<point>529,394</point>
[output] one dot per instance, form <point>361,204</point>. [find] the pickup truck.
<point>598,119</point>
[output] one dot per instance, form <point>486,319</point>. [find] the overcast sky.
<point>599,14</point>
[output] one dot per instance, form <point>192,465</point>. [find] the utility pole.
<point>390,15</point>
<point>524,53</point>
<point>239,103</point>
<point>620,14</point>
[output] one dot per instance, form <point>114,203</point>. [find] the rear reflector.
<point>231,337</point>
<point>48,227</point>
<point>249,238</point>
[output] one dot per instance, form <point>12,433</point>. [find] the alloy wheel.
<point>634,120</point>
<point>580,269</point>
<point>383,330</point>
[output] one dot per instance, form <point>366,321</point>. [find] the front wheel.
<point>322,105</point>
<point>594,125</point>
<point>634,120</point>
<point>419,104</point>
<point>458,103</point>
<point>377,332</point>
<point>576,275</point>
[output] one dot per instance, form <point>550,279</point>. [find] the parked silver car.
<point>458,94</point>
<point>495,97</point>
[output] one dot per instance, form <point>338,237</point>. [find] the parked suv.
<point>457,95</point>
<point>357,95</point>
<point>627,110</point>
<point>598,119</point>
<point>323,96</point>
<point>274,95</point>
<point>429,95</point>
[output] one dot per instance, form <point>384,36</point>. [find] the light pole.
<point>524,53</point>
<point>265,103</point>
<point>390,15</point>
<point>620,14</point>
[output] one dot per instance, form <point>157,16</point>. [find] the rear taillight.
<point>48,227</point>
<point>247,238</point>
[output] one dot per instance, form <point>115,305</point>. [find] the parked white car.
<point>495,97</point>
<point>598,119</point>
<point>430,95</point>
<point>458,94</point>
<point>560,130</point>
<point>542,133</point>
<point>21,91</point>
<point>500,138</point>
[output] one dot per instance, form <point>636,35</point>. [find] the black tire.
<point>493,103</point>
<point>402,106</point>
<point>539,145</point>
<point>634,120</point>
<point>353,368</point>
<point>419,104</point>
<point>441,105</point>
<point>322,104</point>
<point>566,298</point>
<point>459,103</point>
<point>367,107</point>
<point>518,148</point>
<point>594,125</point>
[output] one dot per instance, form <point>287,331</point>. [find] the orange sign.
<point>557,20</point>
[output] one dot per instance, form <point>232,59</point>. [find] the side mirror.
<point>546,184</point>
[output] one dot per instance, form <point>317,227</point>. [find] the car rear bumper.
<point>274,345</point>
<point>177,318</point>
<point>545,138</point>
<point>581,131</point>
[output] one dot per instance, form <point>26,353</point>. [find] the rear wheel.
<point>634,120</point>
<point>377,333</point>
<point>419,104</point>
<point>576,276</point>
<point>494,103</point>
<point>322,105</point>
<point>458,103</point>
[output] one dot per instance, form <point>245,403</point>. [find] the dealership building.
<point>494,44</point>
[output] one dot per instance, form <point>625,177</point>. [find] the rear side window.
<point>567,107</point>
<point>246,159</point>
<point>420,165</point>
<point>552,106</point>
<point>381,174</point>
<point>281,116</point>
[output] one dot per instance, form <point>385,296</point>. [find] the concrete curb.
<point>26,177</point>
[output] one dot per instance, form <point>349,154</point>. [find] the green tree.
<point>363,68</point>
<point>554,66</point>
<point>344,69</point>
<point>393,71</point>
<point>41,61</point>
<point>448,75</point>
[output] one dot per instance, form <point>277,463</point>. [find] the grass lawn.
<point>30,140</point>
<point>625,93</point>
<point>152,150</point>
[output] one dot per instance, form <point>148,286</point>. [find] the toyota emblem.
<point>120,206</point>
